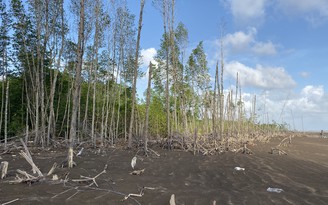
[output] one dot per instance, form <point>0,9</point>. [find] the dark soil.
<point>302,174</point>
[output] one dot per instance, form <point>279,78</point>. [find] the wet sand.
<point>302,174</point>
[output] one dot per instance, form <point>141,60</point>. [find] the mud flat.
<point>302,174</point>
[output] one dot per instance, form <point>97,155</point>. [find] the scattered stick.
<point>93,179</point>
<point>137,172</point>
<point>4,168</point>
<point>9,202</point>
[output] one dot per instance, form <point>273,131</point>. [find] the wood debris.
<point>4,168</point>
<point>172,199</point>
<point>137,172</point>
<point>93,179</point>
<point>275,150</point>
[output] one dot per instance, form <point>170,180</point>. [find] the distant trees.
<point>82,86</point>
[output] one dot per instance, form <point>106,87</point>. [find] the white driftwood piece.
<point>4,168</point>
<point>172,199</point>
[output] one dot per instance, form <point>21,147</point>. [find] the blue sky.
<point>278,47</point>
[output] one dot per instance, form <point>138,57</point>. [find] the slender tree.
<point>150,71</point>
<point>77,85</point>
<point>4,43</point>
<point>136,65</point>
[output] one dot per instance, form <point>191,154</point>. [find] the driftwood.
<point>172,199</point>
<point>244,150</point>
<point>137,172</point>
<point>30,161</point>
<point>275,150</point>
<point>142,192</point>
<point>93,179</point>
<point>9,202</point>
<point>24,177</point>
<point>28,154</point>
<point>4,168</point>
<point>153,151</point>
<point>286,141</point>
<point>52,170</point>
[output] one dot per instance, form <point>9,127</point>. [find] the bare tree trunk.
<point>6,113</point>
<point>147,108</point>
<point>7,98</point>
<point>95,60</point>
<point>214,101</point>
<point>221,87</point>
<point>51,119</point>
<point>134,88</point>
<point>77,85</point>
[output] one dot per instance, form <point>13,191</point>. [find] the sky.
<point>278,47</point>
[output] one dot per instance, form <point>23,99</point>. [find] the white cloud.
<point>302,111</point>
<point>313,93</point>
<point>253,12</point>
<point>240,41</point>
<point>243,42</point>
<point>313,11</point>
<point>246,11</point>
<point>147,55</point>
<point>262,48</point>
<point>261,77</point>
<point>320,7</point>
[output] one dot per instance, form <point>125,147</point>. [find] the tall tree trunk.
<point>95,64</point>
<point>147,108</point>
<point>77,85</point>
<point>214,101</point>
<point>135,76</point>
<point>51,118</point>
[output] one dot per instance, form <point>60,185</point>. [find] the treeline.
<point>79,82</point>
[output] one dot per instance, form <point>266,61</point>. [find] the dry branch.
<point>27,153</point>
<point>30,161</point>
<point>93,179</point>
<point>138,195</point>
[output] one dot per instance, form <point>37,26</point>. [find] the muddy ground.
<point>302,174</point>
